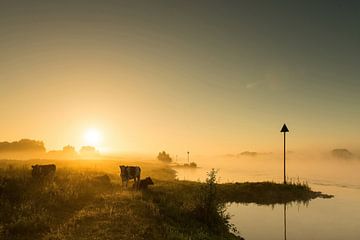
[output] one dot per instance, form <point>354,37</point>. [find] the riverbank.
<point>78,205</point>
<point>266,193</point>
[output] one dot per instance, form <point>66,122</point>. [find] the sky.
<point>210,77</point>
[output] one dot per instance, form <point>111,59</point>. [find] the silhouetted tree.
<point>164,157</point>
<point>342,153</point>
<point>69,149</point>
<point>250,154</point>
<point>68,152</point>
<point>193,164</point>
<point>24,145</point>
<point>88,150</point>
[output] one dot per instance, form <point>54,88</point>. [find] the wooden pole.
<point>284,158</point>
<point>284,130</point>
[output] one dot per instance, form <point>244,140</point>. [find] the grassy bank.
<point>78,205</point>
<point>267,193</point>
<point>262,193</point>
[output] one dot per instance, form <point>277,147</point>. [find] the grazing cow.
<point>130,172</point>
<point>143,184</point>
<point>43,171</point>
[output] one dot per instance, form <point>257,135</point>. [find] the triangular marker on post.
<point>284,129</point>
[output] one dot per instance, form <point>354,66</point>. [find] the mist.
<point>310,167</point>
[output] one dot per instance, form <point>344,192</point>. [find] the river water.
<point>320,219</point>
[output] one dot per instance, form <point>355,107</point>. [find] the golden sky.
<point>179,76</point>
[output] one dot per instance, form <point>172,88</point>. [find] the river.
<point>320,219</point>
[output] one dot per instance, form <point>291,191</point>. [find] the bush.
<point>193,164</point>
<point>209,209</point>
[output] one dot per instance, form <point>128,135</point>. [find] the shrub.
<point>193,164</point>
<point>209,209</point>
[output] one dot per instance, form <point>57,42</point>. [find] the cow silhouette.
<point>43,171</point>
<point>129,172</point>
<point>143,184</point>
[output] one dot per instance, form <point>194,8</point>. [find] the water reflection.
<point>321,219</point>
<point>284,221</point>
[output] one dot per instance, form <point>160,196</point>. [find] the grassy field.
<point>77,205</point>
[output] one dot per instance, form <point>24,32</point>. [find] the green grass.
<point>29,207</point>
<point>267,193</point>
<point>77,206</point>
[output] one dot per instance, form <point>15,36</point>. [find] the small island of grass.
<point>268,193</point>
<point>185,165</point>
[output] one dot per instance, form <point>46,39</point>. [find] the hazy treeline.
<point>24,145</point>
<point>28,148</point>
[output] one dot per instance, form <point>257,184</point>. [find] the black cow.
<point>43,171</point>
<point>130,172</point>
<point>144,183</point>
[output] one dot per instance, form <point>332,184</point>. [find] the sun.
<point>93,137</point>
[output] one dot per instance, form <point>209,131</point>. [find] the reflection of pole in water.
<point>284,221</point>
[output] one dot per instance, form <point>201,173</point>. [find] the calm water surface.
<point>320,219</point>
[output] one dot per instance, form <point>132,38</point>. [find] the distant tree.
<point>88,150</point>
<point>250,154</point>
<point>69,149</point>
<point>68,152</point>
<point>164,157</point>
<point>193,164</point>
<point>24,145</point>
<point>342,153</point>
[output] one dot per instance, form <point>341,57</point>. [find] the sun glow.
<point>93,137</point>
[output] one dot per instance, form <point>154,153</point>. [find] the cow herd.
<point>126,173</point>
